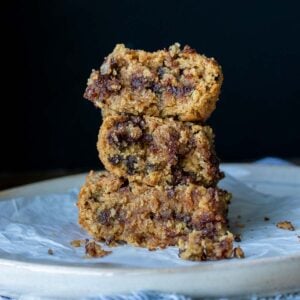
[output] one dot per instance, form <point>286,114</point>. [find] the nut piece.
<point>287,225</point>
<point>94,250</point>
<point>238,252</point>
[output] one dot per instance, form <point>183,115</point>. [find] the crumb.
<point>50,251</point>
<point>238,216</point>
<point>77,243</point>
<point>238,252</point>
<point>266,219</point>
<point>239,225</point>
<point>237,238</point>
<point>94,250</point>
<point>287,225</point>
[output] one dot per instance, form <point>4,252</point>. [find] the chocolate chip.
<point>103,87</point>
<point>165,215</point>
<point>160,72</point>
<point>179,91</point>
<point>186,89</point>
<point>137,120</point>
<point>140,82</point>
<point>156,88</point>
<point>184,217</point>
<point>152,167</point>
<point>115,160</point>
<point>121,216</point>
<point>147,138</point>
<point>151,215</point>
<point>127,132</point>
<point>129,162</point>
<point>170,193</point>
<point>104,217</point>
<point>179,176</point>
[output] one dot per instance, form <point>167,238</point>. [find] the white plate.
<point>21,275</point>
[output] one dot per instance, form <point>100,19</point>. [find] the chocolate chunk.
<point>156,88</point>
<point>103,87</point>
<point>140,82</point>
<point>152,167</point>
<point>147,138</point>
<point>127,132</point>
<point>165,215</point>
<point>151,215</point>
<point>179,91</point>
<point>160,72</point>
<point>129,162</point>
<point>115,160</point>
<point>186,218</point>
<point>171,193</point>
<point>121,216</point>
<point>104,217</point>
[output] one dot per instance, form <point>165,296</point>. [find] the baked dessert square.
<point>189,216</point>
<point>156,151</point>
<point>173,82</point>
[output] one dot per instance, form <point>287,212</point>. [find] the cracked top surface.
<point>173,82</point>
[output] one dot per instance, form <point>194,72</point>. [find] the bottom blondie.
<point>189,216</point>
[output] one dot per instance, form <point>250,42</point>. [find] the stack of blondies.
<point>160,187</point>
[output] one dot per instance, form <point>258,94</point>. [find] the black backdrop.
<point>51,46</point>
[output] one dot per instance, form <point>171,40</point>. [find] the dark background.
<point>51,46</point>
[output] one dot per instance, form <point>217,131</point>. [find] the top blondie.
<point>174,82</point>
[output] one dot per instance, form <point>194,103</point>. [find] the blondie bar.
<point>177,83</point>
<point>189,216</point>
<point>154,151</point>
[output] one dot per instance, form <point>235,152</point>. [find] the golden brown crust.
<point>189,216</point>
<point>154,151</point>
<point>166,83</point>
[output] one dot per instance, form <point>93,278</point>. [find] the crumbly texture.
<point>189,216</point>
<point>176,83</point>
<point>157,151</point>
<point>287,225</point>
<point>238,252</point>
<point>92,249</point>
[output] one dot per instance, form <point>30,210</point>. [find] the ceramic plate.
<point>277,270</point>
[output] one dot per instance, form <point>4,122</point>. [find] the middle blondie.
<point>156,151</point>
